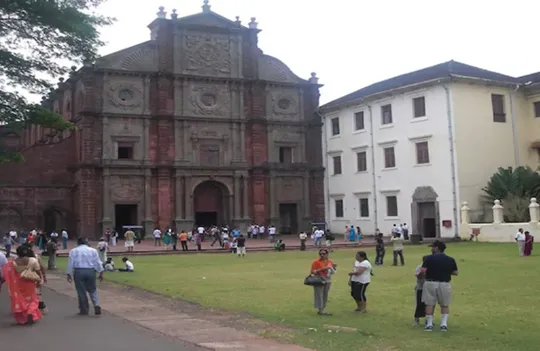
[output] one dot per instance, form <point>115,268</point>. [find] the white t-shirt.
<point>520,236</point>
<point>272,231</point>
<point>200,230</point>
<point>54,235</point>
<point>13,234</point>
<point>129,266</point>
<point>157,233</point>
<point>318,233</point>
<point>261,229</point>
<point>303,236</point>
<point>365,277</point>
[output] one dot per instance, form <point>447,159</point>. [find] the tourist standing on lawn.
<point>420,311</point>
<point>359,280</point>
<point>129,237</point>
<point>241,246</point>
<point>397,241</point>
<point>438,269</point>
<point>325,268</point>
<point>83,264</point>
<point>379,250</point>
<point>529,240</point>
<point>303,238</point>
<point>520,240</point>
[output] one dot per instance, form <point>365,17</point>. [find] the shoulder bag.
<point>314,280</point>
<point>29,273</point>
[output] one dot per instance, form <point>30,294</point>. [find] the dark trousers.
<point>157,241</point>
<point>216,239</point>
<point>85,283</point>
<point>400,254</point>
<point>420,311</point>
<point>184,245</point>
<point>303,245</point>
<point>64,243</point>
<point>199,247</point>
<point>8,250</point>
<point>379,258</point>
<point>406,234</point>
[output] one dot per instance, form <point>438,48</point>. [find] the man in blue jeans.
<point>7,242</point>
<point>83,264</point>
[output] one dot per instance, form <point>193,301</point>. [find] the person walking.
<point>438,270</point>
<point>65,238</point>
<point>183,240</point>
<point>303,238</point>
<point>379,250</point>
<point>529,241</point>
<point>359,280</point>
<point>520,240</point>
<point>83,264</point>
<point>397,242</point>
<point>8,242</point>
<point>325,268</point>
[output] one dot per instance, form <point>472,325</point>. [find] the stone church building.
<point>196,126</point>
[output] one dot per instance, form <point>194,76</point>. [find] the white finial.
<point>253,24</point>
<point>206,6</point>
<point>238,22</point>
<point>314,79</point>
<point>174,15</point>
<point>161,13</point>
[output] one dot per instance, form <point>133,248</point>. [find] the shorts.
<point>358,291</point>
<point>129,243</point>
<point>241,250</point>
<point>437,293</point>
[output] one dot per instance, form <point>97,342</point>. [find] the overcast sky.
<point>353,43</point>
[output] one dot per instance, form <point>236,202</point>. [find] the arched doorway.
<point>53,220</point>
<point>10,219</point>
<point>210,204</point>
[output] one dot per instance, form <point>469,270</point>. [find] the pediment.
<point>141,58</point>
<point>210,19</point>
<point>273,70</point>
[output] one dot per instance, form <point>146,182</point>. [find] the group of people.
<point>432,286</point>
<point>525,242</point>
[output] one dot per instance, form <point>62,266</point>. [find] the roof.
<point>442,70</point>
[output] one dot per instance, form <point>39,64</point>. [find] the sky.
<point>354,43</point>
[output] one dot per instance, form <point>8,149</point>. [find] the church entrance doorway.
<point>210,204</point>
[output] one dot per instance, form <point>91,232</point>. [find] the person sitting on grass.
<point>109,265</point>
<point>279,245</point>
<point>129,266</point>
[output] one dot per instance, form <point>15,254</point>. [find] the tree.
<point>35,36</point>
<point>515,188</point>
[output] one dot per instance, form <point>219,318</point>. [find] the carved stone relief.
<point>289,189</point>
<point>125,97</point>
<point>424,194</point>
<point>272,69</point>
<point>284,104</point>
<point>127,188</point>
<point>209,154</point>
<point>210,100</point>
<point>206,54</point>
<point>144,59</point>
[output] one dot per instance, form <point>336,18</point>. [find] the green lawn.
<point>494,304</point>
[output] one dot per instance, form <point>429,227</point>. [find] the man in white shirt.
<point>520,240</point>
<point>13,235</point>
<point>272,233</point>
<point>397,242</point>
<point>129,266</point>
<point>317,237</point>
<point>262,230</point>
<point>255,231</point>
<point>303,238</point>
<point>83,264</point>
<point>157,237</point>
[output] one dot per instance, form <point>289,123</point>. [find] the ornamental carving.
<point>208,55</point>
<point>210,101</point>
<point>284,105</point>
<point>125,96</point>
<point>209,155</point>
<point>128,189</point>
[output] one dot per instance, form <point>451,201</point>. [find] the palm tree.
<point>515,188</point>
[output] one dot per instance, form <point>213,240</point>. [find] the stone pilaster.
<point>106,221</point>
<point>148,223</point>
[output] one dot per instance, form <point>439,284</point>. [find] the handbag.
<point>30,275</point>
<point>314,280</point>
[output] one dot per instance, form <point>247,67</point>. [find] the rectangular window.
<point>125,151</point>
<point>361,161</point>
<point>389,157</point>
<point>497,104</point>
<point>285,155</point>
<point>419,106</point>
<point>335,126</point>
<point>359,120</point>
<point>364,208</point>
<point>339,208</point>
<point>422,152</point>
<point>537,109</point>
<point>391,206</point>
<point>386,113</point>
<point>337,164</point>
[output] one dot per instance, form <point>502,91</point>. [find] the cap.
<point>439,244</point>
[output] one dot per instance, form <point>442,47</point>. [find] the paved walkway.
<point>91,333</point>
<point>62,330</point>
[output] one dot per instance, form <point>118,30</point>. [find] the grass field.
<point>495,302</point>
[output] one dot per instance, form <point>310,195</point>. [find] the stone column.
<point>245,191</point>
<point>272,197</point>
<point>106,201</point>
<point>106,142</point>
<point>243,141</point>
<point>188,197</point>
<point>237,197</point>
<point>148,222</point>
<point>145,144</point>
<point>306,196</point>
<point>179,196</point>
<point>465,213</point>
<point>498,212</point>
<point>231,213</point>
<point>533,210</point>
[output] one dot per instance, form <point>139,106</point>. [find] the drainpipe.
<point>451,141</point>
<point>373,175</point>
<point>514,130</point>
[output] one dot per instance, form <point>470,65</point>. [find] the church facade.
<point>196,126</point>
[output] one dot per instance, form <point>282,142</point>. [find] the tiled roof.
<point>442,70</point>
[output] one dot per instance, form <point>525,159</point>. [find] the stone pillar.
<point>106,201</point>
<point>188,197</point>
<point>145,144</point>
<point>306,196</point>
<point>179,196</point>
<point>237,197</point>
<point>245,194</point>
<point>498,212</point>
<point>231,211</point>
<point>148,223</point>
<point>465,213</point>
<point>243,142</point>
<point>272,197</point>
<point>533,210</point>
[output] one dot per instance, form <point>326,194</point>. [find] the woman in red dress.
<point>529,240</point>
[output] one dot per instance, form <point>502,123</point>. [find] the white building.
<point>407,150</point>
